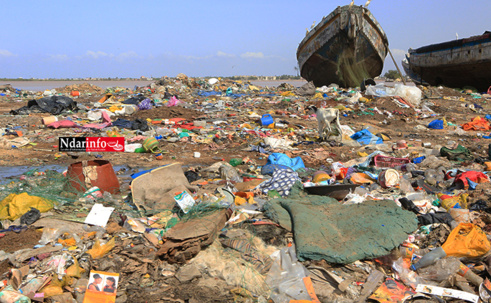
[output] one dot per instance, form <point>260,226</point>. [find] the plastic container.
<point>388,178</point>
<point>266,120</point>
<point>49,120</point>
<point>98,173</point>
<point>429,258</point>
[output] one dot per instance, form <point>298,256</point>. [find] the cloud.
<point>258,55</point>
<point>398,52</point>
<point>58,57</point>
<point>6,53</point>
<point>127,55</point>
<point>97,54</point>
<point>223,54</point>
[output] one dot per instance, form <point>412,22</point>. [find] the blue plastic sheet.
<point>365,137</point>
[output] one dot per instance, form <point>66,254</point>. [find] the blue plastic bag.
<point>436,124</point>
<point>365,137</point>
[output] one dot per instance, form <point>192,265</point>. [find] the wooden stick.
<point>403,80</point>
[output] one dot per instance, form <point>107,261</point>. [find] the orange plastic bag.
<point>98,251</point>
<point>466,240</point>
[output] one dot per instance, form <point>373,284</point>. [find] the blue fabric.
<point>365,137</point>
<point>206,94</point>
<point>472,185</point>
<point>282,159</point>
<point>282,181</point>
<point>269,169</point>
<point>436,124</point>
<point>145,104</point>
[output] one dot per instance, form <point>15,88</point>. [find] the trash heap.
<point>225,192</point>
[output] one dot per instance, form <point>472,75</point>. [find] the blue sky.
<point>202,38</point>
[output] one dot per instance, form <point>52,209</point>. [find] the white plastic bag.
<point>411,94</point>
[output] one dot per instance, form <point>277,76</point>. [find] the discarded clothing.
<point>438,217</point>
<point>145,104</point>
<point>134,100</point>
<point>282,181</point>
<point>282,159</point>
<point>137,124</point>
<point>462,180</point>
<point>478,123</point>
<point>458,154</point>
<point>54,105</point>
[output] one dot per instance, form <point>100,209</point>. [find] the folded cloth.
<point>282,181</point>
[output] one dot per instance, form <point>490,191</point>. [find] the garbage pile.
<point>223,191</point>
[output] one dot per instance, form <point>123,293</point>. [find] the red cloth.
<point>477,123</point>
<point>474,176</point>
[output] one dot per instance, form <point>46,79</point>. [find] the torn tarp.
<point>54,105</point>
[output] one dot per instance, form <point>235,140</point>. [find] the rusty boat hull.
<point>457,64</point>
<point>347,47</point>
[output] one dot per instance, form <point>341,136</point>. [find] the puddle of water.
<point>14,171</point>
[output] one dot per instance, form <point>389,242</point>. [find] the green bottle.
<point>235,161</point>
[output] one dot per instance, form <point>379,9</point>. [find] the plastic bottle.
<point>465,272</point>
<point>235,161</point>
<point>430,258</point>
<point>431,176</point>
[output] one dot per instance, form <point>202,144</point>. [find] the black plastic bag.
<point>30,217</point>
<point>438,217</point>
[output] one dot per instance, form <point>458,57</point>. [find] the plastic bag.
<point>98,251</point>
<point>55,287</point>
<point>51,234</point>
<point>75,270</point>
<point>466,240</point>
<point>9,295</point>
<point>412,94</point>
<point>286,277</point>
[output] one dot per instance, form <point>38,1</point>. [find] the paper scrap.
<point>99,215</point>
<point>447,292</point>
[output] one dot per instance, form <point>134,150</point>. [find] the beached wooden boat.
<point>347,47</point>
<point>457,63</point>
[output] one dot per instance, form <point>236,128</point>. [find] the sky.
<point>106,38</point>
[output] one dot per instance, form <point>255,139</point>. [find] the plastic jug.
<point>266,120</point>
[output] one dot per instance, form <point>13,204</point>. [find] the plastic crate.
<point>383,161</point>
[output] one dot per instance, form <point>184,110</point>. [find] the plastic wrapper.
<point>407,276</point>
<point>286,277</point>
<point>98,251</point>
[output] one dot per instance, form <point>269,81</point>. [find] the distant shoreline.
<point>42,85</point>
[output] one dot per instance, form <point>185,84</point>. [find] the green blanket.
<point>325,229</point>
